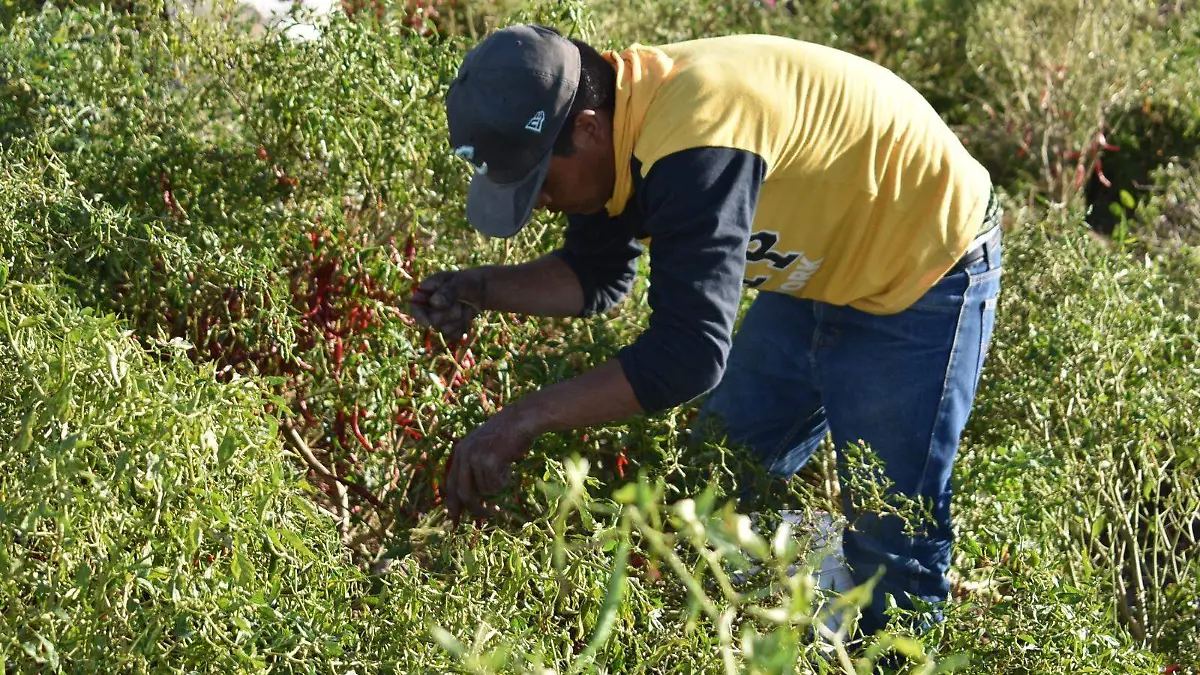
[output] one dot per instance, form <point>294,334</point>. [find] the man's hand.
<point>481,464</point>
<point>449,301</point>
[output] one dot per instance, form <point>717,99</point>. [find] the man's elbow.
<point>700,379</point>
<point>690,381</point>
<point>604,298</point>
<point>664,379</point>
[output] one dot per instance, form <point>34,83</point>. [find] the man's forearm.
<point>599,396</point>
<point>543,287</point>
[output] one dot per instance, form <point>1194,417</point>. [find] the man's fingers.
<point>433,282</point>
<point>458,322</point>
<point>437,303</point>
<point>466,313</point>
<point>461,484</point>
<point>451,322</point>
<point>421,306</point>
<point>480,510</point>
<point>454,330</point>
<point>417,311</point>
<point>444,297</point>
<point>431,318</point>
<point>453,507</point>
<point>491,479</point>
<point>484,481</point>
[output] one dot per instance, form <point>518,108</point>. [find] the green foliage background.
<point>180,487</point>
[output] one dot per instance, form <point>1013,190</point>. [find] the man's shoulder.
<point>748,54</point>
<point>722,92</point>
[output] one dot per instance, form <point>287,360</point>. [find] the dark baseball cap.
<point>505,109</point>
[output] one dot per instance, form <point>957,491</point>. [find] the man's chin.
<point>590,211</point>
<point>580,211</point>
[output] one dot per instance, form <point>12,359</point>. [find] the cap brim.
<point>501,210</point>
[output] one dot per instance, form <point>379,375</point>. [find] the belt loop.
<point>989,249</point>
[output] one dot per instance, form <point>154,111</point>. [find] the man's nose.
<point>543,200</point>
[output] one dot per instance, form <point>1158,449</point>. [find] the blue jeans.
<point>902,383</point>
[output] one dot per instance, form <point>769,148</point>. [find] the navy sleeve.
<point>603,254</point>
<point>699,207</point>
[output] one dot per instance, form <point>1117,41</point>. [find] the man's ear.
<point>592,130</point>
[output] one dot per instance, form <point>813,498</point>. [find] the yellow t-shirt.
<point>869,197</point>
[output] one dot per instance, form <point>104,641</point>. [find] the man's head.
<point>532,111</point>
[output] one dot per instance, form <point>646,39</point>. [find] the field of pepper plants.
<point>222,436</point>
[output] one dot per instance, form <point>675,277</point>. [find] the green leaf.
<point>226,449</point>
<point>298,544</point>
<point>448,642</point>
<point>114,362</point>
<point>626,494</point>
<point>909,647</point>
<point>83,575</point>
<point>60,402</point>
<point>243,570</point>
<point>281,405</point>
<point>1127,200</point>
<point>25,435</point>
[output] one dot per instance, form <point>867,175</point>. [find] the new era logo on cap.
<point>535,122</point>
<point>514,73</point>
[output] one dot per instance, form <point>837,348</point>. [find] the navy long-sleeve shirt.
<point>696,208</point>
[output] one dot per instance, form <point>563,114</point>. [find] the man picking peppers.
<point>814,176</point>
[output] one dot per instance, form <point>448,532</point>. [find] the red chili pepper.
<point>358,434</point>
<point>621,462</point>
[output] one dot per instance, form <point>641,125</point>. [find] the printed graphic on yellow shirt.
<point>793,266</point>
